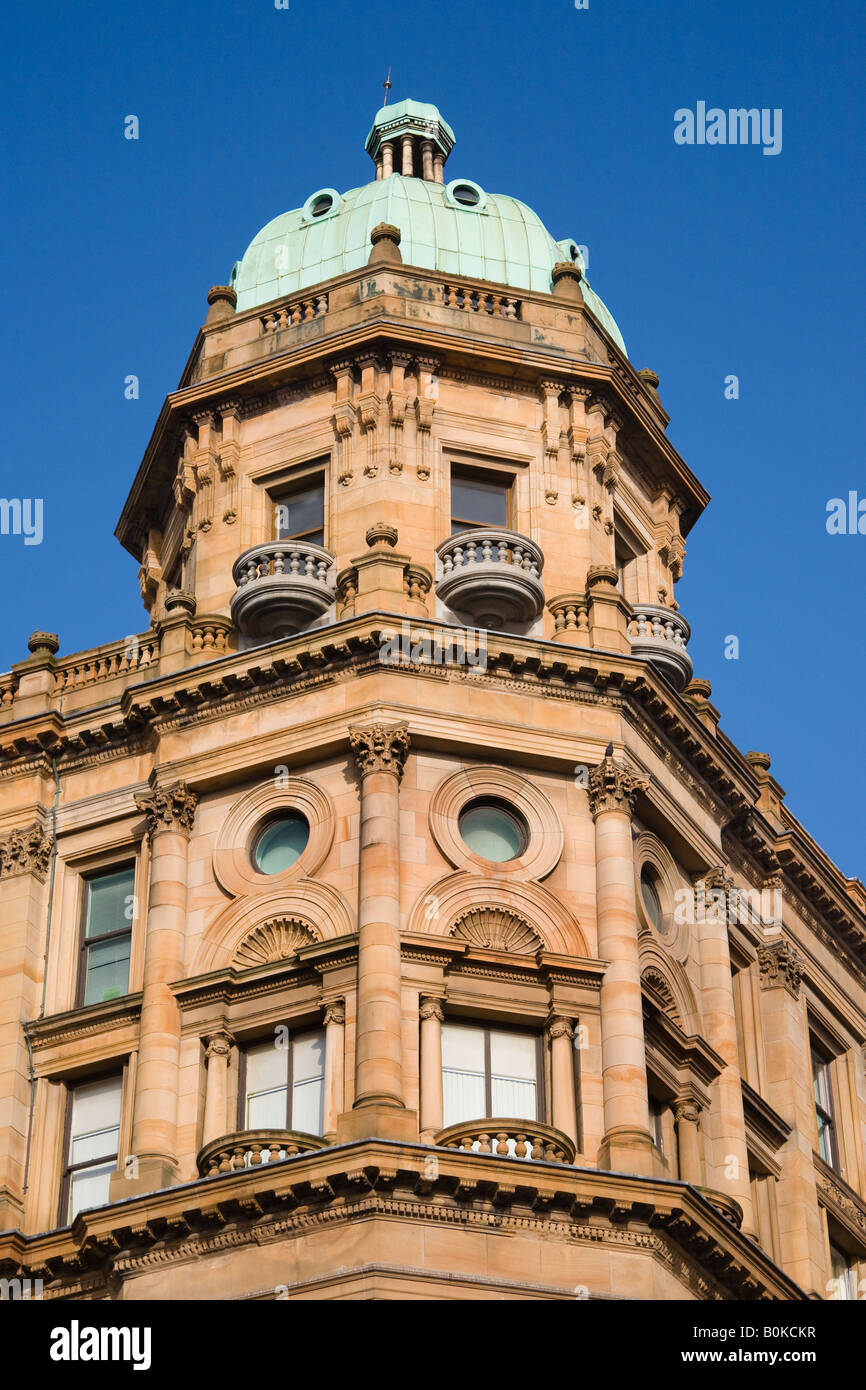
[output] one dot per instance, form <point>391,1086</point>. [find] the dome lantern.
<point>412,139</point>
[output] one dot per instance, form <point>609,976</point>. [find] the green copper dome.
<point>455,228</point>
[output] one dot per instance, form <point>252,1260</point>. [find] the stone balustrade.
<point>122,658</point>
<point>298,311</point>
<point>493,575</point>
<point>248,1148</point>
<point>660,635</point>
<point>480,301</point>
<point>282,587</point>
<point>524,1139</point>
<point>209,637</point>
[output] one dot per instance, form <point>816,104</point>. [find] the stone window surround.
<point>64,985</point>
<point>232,854</point>
<point>651,852</point>
<point>283,478</point>
<point>514,468</point>
<point>546,837</point>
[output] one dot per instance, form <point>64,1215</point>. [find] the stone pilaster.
<point>218,1051</point>
<point>379,752</point>
<point>170,814</point>
<point>432,1018</point>
<point>335,1051</point>
<point>560,1035</point>
<point>627,1144</point>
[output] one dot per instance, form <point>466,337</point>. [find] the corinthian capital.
<point>26,851</point>
<point>558,1026</point>
<point>218,1044</point>
<point>781,966</point>
<point>613,786</point>
<point>380,748</point>
<point>431,1007</point>
<point>168,808</point>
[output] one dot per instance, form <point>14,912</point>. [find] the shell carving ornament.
<point>497,929</point>
<point>275,940</point>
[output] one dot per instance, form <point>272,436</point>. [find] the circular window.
<point>321,203</point>
<point>281,843</point>
<point>463,193</point>
<point>493,832</point>
<point>651,900</point>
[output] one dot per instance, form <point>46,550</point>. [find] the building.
<point>392,918</point>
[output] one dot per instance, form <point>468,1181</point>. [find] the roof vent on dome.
<point>410,138</point>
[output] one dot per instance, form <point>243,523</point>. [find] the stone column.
<point>438,167</point>
<point>378,1110</point>
<point>789,1090</point>
<point>431,1015</point>
<point>407,156</point>
<point>25,864</point>
<point>560,1032</point>
<point>218,1051</point>
<point>387,159</point>
<point>724,1123</point>
<point>627,1144</point>
<point>335,1048</point>
<point>427,160</point>
<point>687,1114</point>
<point>170,813</point>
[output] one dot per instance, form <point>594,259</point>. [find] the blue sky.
<point>714,260</point>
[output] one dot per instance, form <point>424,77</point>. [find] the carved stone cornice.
<point>380,748</point>
<point>841,1199</point>
<point>613,786</point>
<point>781,966</point>
<point>431,1007</point>
<point>168,808</point>
<point>26,851</point>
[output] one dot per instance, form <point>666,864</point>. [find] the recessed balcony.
<point>660,635</point>
<point>491,575</point>
<point>249,1148</point>
<point>518,1139</point>
<point>282,587</point>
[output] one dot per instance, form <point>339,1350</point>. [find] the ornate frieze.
<point>781,966</point>
<point>26,851</point>
<point>613,786</point>
<point>168,808</point>
<point>380,748</point>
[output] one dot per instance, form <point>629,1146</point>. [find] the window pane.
<point>513,1054</point>
<point>267,1066</point>
<point>462,1096</point>
<point>107,973</point>
<point>266,1110</point>
<point>477,503</point>
<point>89,1188</point>
<point>513,1100</point>
<point>308,1056</point>
<point>307,1099</point>
<point>108,906</point>
<point>301,512</point>
<point>95,1107</point>
<point>463,1047</point>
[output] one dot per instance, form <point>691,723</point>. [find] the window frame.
<point>487,1026</point>
<point>305,482</point>
<point>503,477</point>
<point>290,1072</point>
<point>64,1219</point>
<point>825,1114</point>
<point>85,942</point>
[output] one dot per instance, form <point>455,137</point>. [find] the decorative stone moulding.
<point>282,587</point>
<point>232,857</point>
<point>265,921</point>
<point>493,576</point>
<point>545,839</point>
<point>26,851</point>
<point>471,908</point>
<point>659,635</point>
<point>675,936</point>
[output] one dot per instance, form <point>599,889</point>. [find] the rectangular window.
<point>823,1089</point>
<point>844,1272</point>
<point>106,935</point>
<point>284,1085</point>
<point>657,1128</point>
<point>299,514</point>
<point>479,499</point>
<point>489,1072</point>
<point>93,1122</point>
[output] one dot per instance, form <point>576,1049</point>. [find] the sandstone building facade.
<point>392,918</point>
